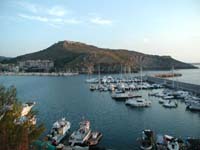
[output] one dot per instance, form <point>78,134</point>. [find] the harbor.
<point>120,124</point>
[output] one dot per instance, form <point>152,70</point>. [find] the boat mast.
<point>121,74</point>
<point>99,74</point>
<point>141,75</point>
<point>173,76</point>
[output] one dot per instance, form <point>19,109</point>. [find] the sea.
<point>70,97</point>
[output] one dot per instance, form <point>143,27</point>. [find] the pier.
<point>193,88</point>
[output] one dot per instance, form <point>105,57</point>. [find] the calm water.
<point>121,125</point>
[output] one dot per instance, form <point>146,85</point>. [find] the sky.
<point>158,27</point>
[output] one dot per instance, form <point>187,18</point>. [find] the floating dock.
<point>193,88</point>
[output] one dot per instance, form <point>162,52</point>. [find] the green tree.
<point>15,136</point>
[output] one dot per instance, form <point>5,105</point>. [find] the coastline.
<point>38,74</point>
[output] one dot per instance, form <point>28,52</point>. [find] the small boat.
<point>80,136</point>
<point>138,102</point>
<point>93,80</point>
<point>147,140</point>
<point>166,142</point>
<point>172,143</point>
<point>195,105</point>
<point>26,108</point>
<point>170,104</point>
<point>92,87</point>
<point>161,101</point>
<point>121,95</point>
<point>94,138</point>
<point>59,131</point>
<point>168,97</point>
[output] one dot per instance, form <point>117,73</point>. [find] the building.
<point>36,65</point>
<point>9,68</point>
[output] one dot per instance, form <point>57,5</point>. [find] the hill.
<point>2,58</point>
<point>68,55</point>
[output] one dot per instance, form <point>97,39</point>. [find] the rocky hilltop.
<point>76,56</point>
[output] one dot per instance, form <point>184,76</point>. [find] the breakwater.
<point>193,88</point>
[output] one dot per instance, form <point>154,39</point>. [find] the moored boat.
<point>147,140</point>
<point>195,105</point>
<point>170,104</point>
<point>80,136</point>
<point>94,138</point>
<point>59,131</point>
<point>166,142</point>
<point>138,102</point>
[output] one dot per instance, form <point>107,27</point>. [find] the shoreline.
<point>38,74</point>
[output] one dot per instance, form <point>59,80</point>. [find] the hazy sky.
<point>159,27</point>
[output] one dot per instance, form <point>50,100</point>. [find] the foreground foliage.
<point>15,136</point>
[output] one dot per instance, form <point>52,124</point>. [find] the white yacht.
<point>161,101</point>
<point>92,80</point>
<point>120,95</point>
<point>195,105</point>
<point>80,136</point>
<point>170,104</point>
<point>138,102</point>
<point>59,131</point>
<point>168,97</point>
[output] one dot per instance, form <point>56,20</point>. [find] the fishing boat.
<point>138,102</point>
<point>170,104</point>
<point>94,138</point>
<point>147,140</point>
<point>80,136</point>
<point>58,131</point>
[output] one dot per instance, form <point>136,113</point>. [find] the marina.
<point>119,124</point>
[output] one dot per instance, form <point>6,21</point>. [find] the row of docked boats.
<point>108,83</point>
<point>150,141</point>
<point>169,97</point>
<point>81,138</point>
<point>122,86</point>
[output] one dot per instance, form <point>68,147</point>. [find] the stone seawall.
<point>194,88</point>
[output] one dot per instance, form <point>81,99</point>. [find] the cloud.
<point>100,21</point>
<point>57,11</point>
<point>55,22</point>
<point>29,6</point>
<point>37,18</point>
<point>56,15</point>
